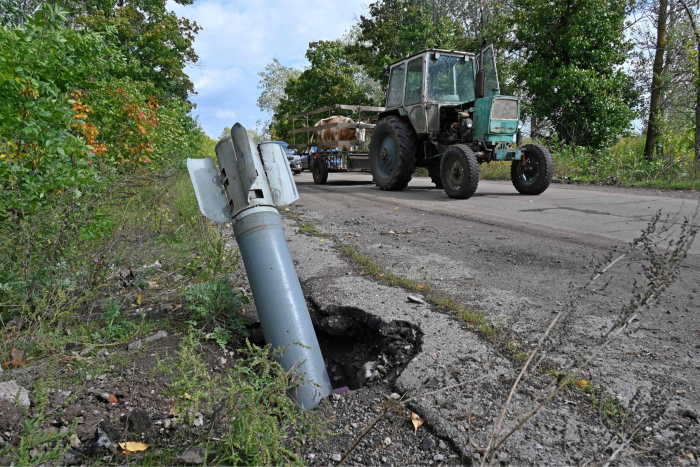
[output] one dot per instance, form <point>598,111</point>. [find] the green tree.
<point>395,28</point>
<point>571,70</point>
<point>156,43</point>
<point>330,79</point>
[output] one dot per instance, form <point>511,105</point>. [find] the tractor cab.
<point>445,101</point>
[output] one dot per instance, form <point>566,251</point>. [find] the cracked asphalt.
<point>516,258</point>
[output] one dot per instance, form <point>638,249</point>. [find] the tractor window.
<point>414,81</point>
<point>504,109</point>
<point>450,79</point>
<point>491,85</point>
<point>395,92</point>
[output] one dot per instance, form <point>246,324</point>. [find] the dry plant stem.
<point>671,262</point>
<point>362,435</point>
<point>594,353</point>
<point>443,389</point>
<point>532,355</point>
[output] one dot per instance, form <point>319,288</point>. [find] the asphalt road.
<point>519,259</point>
<point>618,215</point>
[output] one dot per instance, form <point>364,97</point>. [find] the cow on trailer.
<point>328,135</point>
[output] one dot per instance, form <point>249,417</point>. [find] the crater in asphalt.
<point>361,349</point>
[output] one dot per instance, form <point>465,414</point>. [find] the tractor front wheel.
<point>319,170</point>
<point>533,174</point>
<point>392,154</point>
<point>459,170</point>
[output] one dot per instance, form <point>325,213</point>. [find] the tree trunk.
<point>697,114</point>
<point>652,125</point>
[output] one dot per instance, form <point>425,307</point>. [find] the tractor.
<point>444,112</point>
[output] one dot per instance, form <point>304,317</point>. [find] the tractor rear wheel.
<point>534,177</point>
<point>392,154</point>
<point>434,172</point>
<point>460,171</point>
<point>319,170</point>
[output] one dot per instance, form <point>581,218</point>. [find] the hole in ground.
<point>361,349</point>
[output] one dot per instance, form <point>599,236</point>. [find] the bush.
<point>217,308</point>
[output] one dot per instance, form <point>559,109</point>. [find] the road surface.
<point>518,258</point>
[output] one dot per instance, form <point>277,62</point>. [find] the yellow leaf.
<point>133,446</point>
<point>139,300</point>
<point>321,239</point>
<point>396,208</point>
<point>416,420</point>
<point>582,383</point>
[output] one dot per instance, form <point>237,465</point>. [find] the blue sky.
<point>240,37</point>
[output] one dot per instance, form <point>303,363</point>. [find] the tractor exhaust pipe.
<point>480,80</point>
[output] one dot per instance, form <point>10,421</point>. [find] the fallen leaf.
<point>113,400</point>
<point>392,232</point>
<point>133,446</point>
<point>176,306</point>
<point>321,239</point>
<point>396,207</point>
<point>16,358</point>
<point>153,284</point>
<point>416,420</point>
<point>139,299</point>
<point>582,383</point>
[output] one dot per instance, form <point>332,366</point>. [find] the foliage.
<point>249,409</point>
<point>215,306</point>
<point>272,82</point>
<point>571,71</point>
<point>73,122</point>
<point>157,45</point>
<point>396,28</point>
<point>330,79</point>
<point>34,437</point>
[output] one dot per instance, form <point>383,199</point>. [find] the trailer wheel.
<point>460,171</point>
<point>320,171</point>
<point>434,172</point>
<point>534,177</point>
<point>392,154</point>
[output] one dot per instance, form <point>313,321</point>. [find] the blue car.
<point>294,159</point>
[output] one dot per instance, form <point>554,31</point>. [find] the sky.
<point>239,37</point>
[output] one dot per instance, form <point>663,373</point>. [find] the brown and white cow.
<point>335,133</point>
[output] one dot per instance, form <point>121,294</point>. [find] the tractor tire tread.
<point>405,157</point>
<point>470,187</point>
<point>543,182</point>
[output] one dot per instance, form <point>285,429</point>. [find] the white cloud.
<point>239,37</point>
<point>225,114</point>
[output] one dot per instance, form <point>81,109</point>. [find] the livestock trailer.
<point>335,154</point>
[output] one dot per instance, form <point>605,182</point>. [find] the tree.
<point>652,123</point>
<point>158,45</point>
<point>272,82</point>
<point>331,78</point>
<point>572,56</point>
<point>395,28</point>
<point>696,32</point>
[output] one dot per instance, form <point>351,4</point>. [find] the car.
<point>294,159</point>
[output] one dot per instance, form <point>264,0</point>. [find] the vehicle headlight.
<point>468,122</point>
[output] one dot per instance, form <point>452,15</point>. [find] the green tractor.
<point>444,112</point>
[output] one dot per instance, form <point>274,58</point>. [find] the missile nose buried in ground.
<point>251,184</point>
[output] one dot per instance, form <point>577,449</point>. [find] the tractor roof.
<point>450,52</point>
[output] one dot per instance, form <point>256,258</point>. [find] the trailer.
<point>336,155</point>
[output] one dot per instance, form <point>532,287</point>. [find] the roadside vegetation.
<point>104,252</point>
